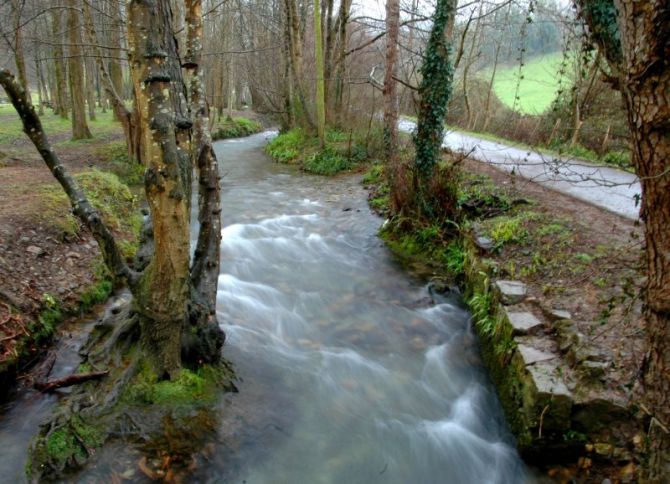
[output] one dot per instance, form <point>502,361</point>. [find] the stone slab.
<point>523,323</point>
<point>511,292</point>
<point>531,355</point>
<point>560,314</point>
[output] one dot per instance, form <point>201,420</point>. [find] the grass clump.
<point>236,128</point>
<point>340,152</point>
<point>285,148</point>
<point>327,161</point>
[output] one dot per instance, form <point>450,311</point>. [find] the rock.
<point>35,250</point>
<point>511,292</point>
<point>596,413</point>
<point>524,323</point>
<point>531,355</point>
<point>484,243</point>
<point>72,255</point>
<point>559,314</point>
<point>549,396</point>
<point>592,370</point>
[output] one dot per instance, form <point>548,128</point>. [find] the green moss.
<point>67,446</point>
<point>191,387</point>
<point>113,199</point>
<point>95,294</point>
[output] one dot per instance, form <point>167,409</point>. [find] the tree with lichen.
<point>174,298</point>
<point>634,38</point>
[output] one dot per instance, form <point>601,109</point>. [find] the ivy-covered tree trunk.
<point>75,70</point>
<point>390,91</point>
<point>634,37</point>
<point>434,92</point>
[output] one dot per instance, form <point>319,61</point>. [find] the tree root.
<point>68,381</point>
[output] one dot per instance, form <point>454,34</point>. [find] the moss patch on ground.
<point>117,205</point>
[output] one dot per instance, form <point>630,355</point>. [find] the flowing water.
<point>351,370</point>
<point>383,382</point>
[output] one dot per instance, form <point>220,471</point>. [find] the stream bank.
<point>552,283</point>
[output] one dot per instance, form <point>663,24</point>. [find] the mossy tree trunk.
<point>319,68</point>
<point>75,72</point>
<point>634,38</point>
<point>203,326</point>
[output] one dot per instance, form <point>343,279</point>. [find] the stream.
<point>351,369</point>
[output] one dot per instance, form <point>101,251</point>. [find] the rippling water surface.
<point>361,374</point>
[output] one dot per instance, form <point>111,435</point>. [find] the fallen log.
<point>68,381</point>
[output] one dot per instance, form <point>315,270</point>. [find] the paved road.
<point>609,188</point>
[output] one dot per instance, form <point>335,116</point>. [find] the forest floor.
<point>50,266</point>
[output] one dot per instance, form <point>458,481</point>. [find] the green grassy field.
<point>538,86</point>
<point>11,127</point>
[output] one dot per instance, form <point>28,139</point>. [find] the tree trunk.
<point>19,57</point>
<point>131,128</point>
<point>90,89</point>
<point>204,328</point>
<point>299,103</point>
<point>634,37</point>
<point>162,296</point>
<point>435,91</point>
<point>76,74</point>
<point>320,89</point>
<point>390,84</point>
<point>60,100</point>
<point>115,69</point>
<point>340,64</point>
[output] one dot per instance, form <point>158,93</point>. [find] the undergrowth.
<point>235,128</point>
<point>342,151</point>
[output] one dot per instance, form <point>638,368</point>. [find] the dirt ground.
<point>36,257</point>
